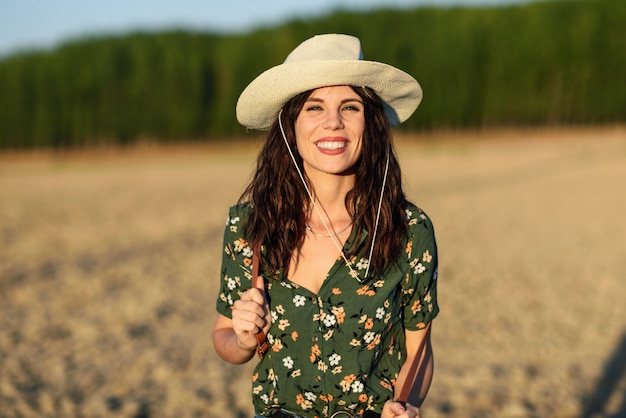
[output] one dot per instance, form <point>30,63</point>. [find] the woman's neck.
<point>330,193</point>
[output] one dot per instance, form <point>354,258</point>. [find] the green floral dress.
<point>340,349</point>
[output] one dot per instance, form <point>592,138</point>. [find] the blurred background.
<point>120,154</point>
<point>79,74</point>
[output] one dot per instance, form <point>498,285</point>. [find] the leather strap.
<point>259,283</point>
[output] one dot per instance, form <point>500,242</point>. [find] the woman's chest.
<point>342,309</point>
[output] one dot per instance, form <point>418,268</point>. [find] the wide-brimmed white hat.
<point>321,61</point>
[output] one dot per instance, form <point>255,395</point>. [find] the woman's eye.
<point>313,107</point>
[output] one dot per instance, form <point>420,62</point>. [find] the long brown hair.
<point>280,203</point>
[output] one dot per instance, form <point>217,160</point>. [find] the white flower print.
<point>274,316</point>
<point>408,213</point>
<point>357,387</point>
<point>310,396</point>
<point>247,252</point>
<point>265,398</point>
<point>369,337</point>
<point>362,264</point>
<point>234,220</point>
<point>330,320</point>
<point>231,283</point>
<point>380,313</point>
<point>419,268</point>
<point>299,300</point>
<point>334,359</point>
<point>288,362</point>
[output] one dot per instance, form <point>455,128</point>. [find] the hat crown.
<point>329,47</point>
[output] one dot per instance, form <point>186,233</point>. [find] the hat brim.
<point>262,99</point>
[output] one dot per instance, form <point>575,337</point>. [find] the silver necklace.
<point>336,234</point>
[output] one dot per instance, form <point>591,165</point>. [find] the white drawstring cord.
<point>380,204</point>
<point>333,236</point>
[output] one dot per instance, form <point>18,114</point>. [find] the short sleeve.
<point>235,276</point>
<point>420,283</point>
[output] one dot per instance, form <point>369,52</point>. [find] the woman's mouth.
<point>331,145</point>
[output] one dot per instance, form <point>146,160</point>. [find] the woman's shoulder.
<point>240,210</point>
<point>419,222</point>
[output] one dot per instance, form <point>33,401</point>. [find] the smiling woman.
<point>348,266</point>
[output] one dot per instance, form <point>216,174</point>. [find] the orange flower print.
<point>294,336</point>
<point>385,384</point>
<point>340,314</point>
<point>336,291</point>
<point>346,382</point>
<point>409,248</point>
<point>374,343</point>
<point>362,290</point>
<point>417,307</point>
<point>255,377</point>
<point>426,257</point>
<point>299,399</point>
<point>277,346</point>
<point>369,324</point>
<point>363,397</point>
<point>327,398</point>
<point>315,351</point>
<point>240,244</point>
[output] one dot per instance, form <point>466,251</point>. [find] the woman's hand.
<point>234,338</point>
<point>396,409</point>
<point>251,314</point>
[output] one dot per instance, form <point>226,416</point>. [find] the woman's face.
<point>329,130</point>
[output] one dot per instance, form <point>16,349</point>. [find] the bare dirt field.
<point>109,268</point>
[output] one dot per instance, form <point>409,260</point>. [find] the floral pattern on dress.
<point>340,349</point>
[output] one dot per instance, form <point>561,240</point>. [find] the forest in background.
<point>559,62</point>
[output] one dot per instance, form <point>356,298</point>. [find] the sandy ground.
<point>109,269</point>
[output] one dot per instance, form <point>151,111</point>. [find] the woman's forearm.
<point>419,345</point>
<point>228,348</point>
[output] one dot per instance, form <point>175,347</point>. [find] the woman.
<point>349,266</point>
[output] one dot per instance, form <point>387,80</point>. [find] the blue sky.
<point>45,23</point>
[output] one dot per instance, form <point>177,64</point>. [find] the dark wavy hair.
<point>280,204</point>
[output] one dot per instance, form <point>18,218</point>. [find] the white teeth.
<point>331,145</point>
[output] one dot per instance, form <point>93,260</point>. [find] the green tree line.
<point>541,63</point>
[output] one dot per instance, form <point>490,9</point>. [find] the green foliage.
<point>556,62</point>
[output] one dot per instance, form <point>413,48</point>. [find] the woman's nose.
<point>333,121</point>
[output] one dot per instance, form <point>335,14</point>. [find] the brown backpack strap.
<point>259,283</point>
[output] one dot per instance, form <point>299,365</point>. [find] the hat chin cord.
<point>335,239</point>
